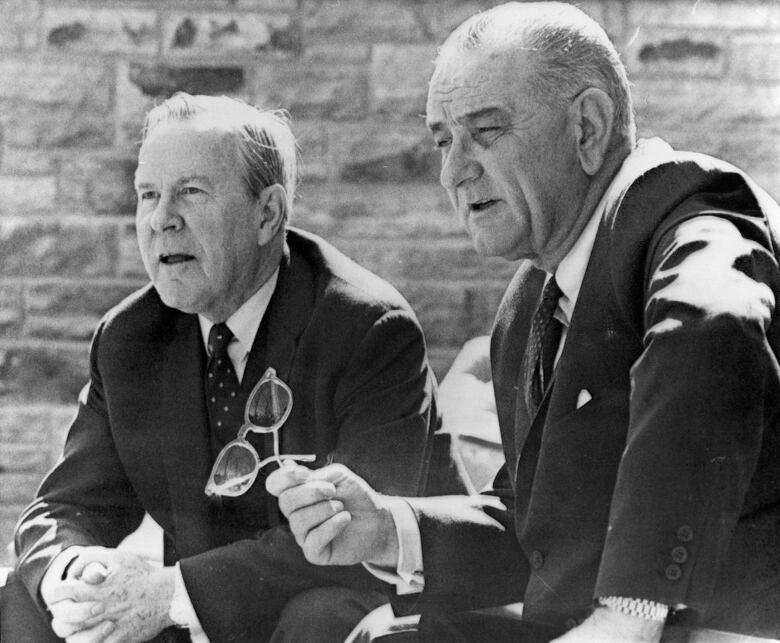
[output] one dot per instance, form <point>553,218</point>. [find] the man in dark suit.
<point>233,291</point>
<point>634,361</point>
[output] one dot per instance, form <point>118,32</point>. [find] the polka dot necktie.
<point>542,345</point>
<point>223,391</point>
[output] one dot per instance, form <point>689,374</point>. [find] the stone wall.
<point>76,77</point>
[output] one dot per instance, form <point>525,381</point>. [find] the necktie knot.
<point>219,338</point>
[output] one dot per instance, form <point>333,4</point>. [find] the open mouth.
<point>478,206</point>
<point>171,259</point>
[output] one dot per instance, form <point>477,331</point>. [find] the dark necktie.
<point>223,392</point>
<point>542,345</point>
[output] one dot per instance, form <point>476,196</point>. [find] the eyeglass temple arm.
<point>278,459</point>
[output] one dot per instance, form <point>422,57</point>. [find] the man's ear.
<point>272,210</point>
<point>592,114</point>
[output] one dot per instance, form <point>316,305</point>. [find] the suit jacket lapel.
<point>184,433</point>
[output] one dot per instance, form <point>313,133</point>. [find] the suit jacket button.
<point>571,623</point>
<point>674,572</point>
<point>685,534</point>
<point>679,554</point>
<point>537,559</point>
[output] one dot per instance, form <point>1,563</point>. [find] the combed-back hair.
<point>266,144</point>
<point>568,52</point>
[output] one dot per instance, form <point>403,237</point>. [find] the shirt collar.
<point>245,322</point>
<point>571,271</point>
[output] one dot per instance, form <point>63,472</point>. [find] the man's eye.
<point>441,143</point>
<point>148,195</point>
<point>190,189</point>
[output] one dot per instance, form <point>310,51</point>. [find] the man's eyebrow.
<point>485,112</point>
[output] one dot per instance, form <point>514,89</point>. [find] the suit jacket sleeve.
<point>86,499</point>
<point>703,390</point>
<point>382,405</point>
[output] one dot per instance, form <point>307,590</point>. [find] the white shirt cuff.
<point>408,576</point>
<point>182,612</point>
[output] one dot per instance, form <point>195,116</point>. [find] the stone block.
<point>46,126</point>
<point>101,29</point>
<point>705,14</point>
<point>41,247</point>
<point>308,90</point>
<point>359,21</point>
<point>379,151</point>
<point>192,33</point>
<point>336,52</point>
<point>721,105</point>
<point>162,81</point>
<point>129,263</point>
<point>676,53</point>
<point>265,5</point>
<point>58,310</point>
<point>377,211</point>
<point>18,24</point>
<point>18,488</point>
<point>441,309</point>
<point>25,161</point>
<point>103,182</point>
<point>21,194</point>
<point>19,458</point>
<point>447,260</point>
<point>35,374</point>
<point>399,78</point>
<point>25,425</point>
<point>11,309</point>
<point>756,58</point>
<point>80,83</point>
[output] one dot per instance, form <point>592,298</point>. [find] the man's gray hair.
<point>266,144</point>
<point>568,50</point>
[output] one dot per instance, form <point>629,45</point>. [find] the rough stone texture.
<point>381,151</point>
<point>707,14</point>
<point>77,77</point>
<point>11,310</point>
<point>107,29</point>
<point>71,311</point>
<point>27,193</point>
<point>361,21</point>
<point>399,78</point>
<point>312,90</point>
<point>676,52</point>
<point>18,20</point>
<point>190,33</point>
<point>56,247</point>
<point>31,373</point>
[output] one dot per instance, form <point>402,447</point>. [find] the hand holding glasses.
<point>237,465</point>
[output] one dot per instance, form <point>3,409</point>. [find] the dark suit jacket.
<point>354,356</point>
<point>666,484</point>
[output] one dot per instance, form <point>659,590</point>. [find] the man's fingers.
<point>309,493</point>
<point>95,634</point>
<point>69,611</point>
<point>317,543</point>
<point>94,573</point>
<point>285,477</point>
<point>304,520</point>
<point>74,590</point>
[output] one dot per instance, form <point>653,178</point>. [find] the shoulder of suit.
<point>340,279</point>
<point>139,312</point>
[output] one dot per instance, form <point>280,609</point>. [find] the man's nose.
<point>166,216</point>
<point>459,164</point>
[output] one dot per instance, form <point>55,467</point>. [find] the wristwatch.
<point>648,610</point>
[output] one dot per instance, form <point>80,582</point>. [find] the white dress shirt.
<point>409,575</point>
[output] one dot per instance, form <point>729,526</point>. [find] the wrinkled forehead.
<point>468,82</point>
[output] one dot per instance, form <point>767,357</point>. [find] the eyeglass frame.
<point>241,441</point>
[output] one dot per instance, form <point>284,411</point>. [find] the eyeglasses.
<point>238,464</point>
